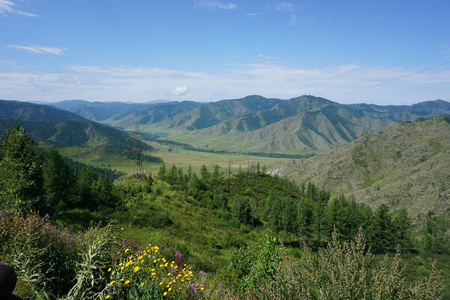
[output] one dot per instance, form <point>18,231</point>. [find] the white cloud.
<point>283,6</point>
<point>348,83</point>
<point>38,49</point>
<point>7,7</point>
<point>180,91</point>
<point>213,4</point>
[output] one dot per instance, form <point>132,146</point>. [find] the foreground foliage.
<point>97,264</point>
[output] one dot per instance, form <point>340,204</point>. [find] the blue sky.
<point>382,52</point>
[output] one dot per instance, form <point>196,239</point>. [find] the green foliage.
<point>246,266</point>
<point>20,169</point>
<point>345,271</point>
<point>43,255</point>
<point>92,269</point>
<point>59,183</point>
<point>436,234</point>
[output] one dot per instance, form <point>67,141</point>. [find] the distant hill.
<point>59,128</point>
<point>406,166</point>
<point>34,112</point>
<point>302,125</point>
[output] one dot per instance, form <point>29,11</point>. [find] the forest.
<point>77,232</point>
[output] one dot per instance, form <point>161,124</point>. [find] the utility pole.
<point>137,148</point>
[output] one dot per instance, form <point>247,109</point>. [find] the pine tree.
<point>21,179</point>
<point>58,183</point>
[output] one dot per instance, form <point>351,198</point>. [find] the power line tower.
<point>137,148</point>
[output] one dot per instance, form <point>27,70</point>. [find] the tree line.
<point>252,198</point>
<point>44,181</point>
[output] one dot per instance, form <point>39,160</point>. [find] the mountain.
<point>59,128</point>
<point>95,111</point>
<point>405,166</point>
<point>301,125</point>
<point>34,112</point>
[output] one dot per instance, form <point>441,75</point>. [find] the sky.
<point>349,51</point>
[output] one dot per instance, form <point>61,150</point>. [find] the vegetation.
<point>213,233</point>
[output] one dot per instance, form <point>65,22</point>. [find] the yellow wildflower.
<point>108,296</point>
<point>136,269</point>
<point>165,293</point>
<point>127,282</point>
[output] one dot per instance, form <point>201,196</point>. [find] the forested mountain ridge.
<point>305,124</point>
<point>404,166</point>
<point>34,112</point>
<point>55,127</point>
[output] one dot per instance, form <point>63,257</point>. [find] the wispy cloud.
<point>293,19</point>
<point>347,83</point>
<point>252,14</point>
<point>38,49</point>
<point>8,7</point>
<point>212,4</point>
<point>283,6</point>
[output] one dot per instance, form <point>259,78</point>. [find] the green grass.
<point>176,155</point>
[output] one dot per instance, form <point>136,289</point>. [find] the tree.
<point>204,172</point>
<point>21,177</point>
<point>59,183</point>
<point>381,230</point>
<point>86,183</point>
<point>162,174</point>
<point>305,218</point>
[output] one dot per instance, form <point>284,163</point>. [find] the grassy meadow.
<point>182,158</point>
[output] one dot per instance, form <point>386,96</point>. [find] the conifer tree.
<point>21,179</point>
<point>58,183</point>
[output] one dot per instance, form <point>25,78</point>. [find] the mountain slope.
<point>59,128</point>
<point>406,166</point>
<point>34,112</point>
<point>301,125</point>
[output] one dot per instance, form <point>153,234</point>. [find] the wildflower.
<point>136,269</point>
<point>178,255</point>
<point>161,283</point>
<point>126,250</point>
<point>142,284</point>
<point>112,282</point>
<point>109,270</point>
<point>165,293</point>
<point>108,296</point>
<point>127,282</point>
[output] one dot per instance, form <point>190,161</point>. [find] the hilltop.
<point>405,166</point>
<point>301,125</point>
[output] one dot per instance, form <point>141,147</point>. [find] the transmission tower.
<point>137,148</point>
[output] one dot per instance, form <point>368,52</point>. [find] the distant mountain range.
<point>406,166</point>
<point>305,124</point>
<point>56,127</point>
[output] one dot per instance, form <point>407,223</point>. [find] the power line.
<point>391,80</point>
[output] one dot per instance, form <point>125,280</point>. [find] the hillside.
<point>405,166</point>
<point>302,125</point>
<point>34,112</point>
<point>54,127</point>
